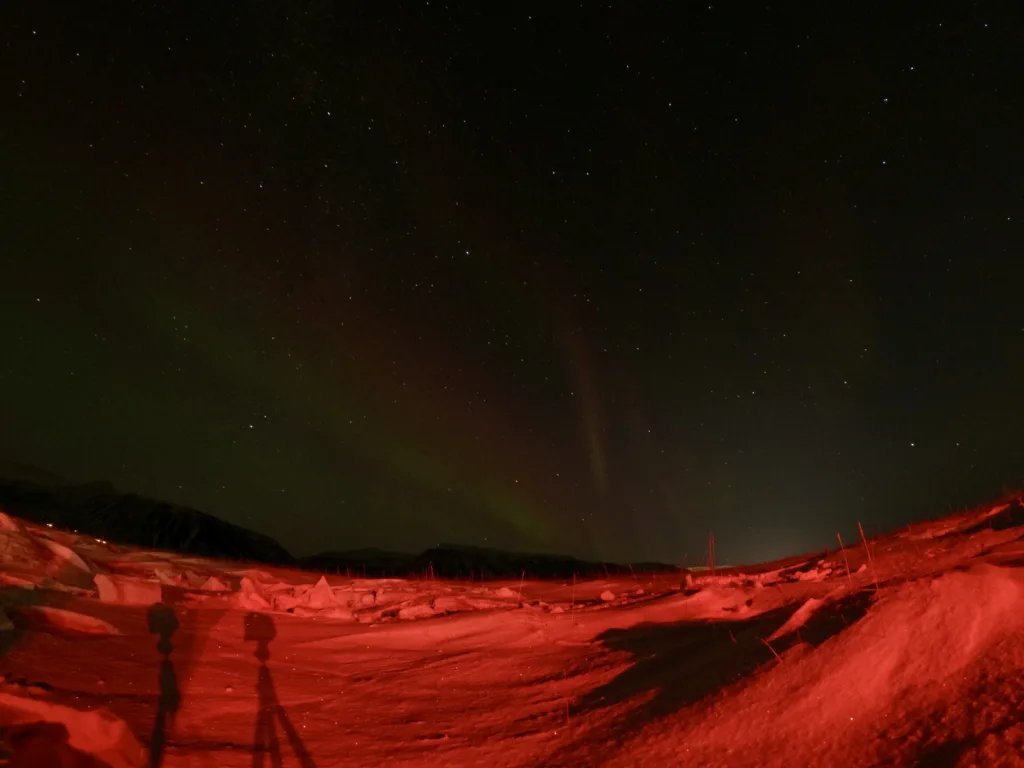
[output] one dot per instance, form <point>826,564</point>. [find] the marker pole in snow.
<point>868,550</point>
<point>845,559</point>
<point>572,605</point>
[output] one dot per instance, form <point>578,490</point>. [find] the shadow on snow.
<point>179,645</point>
<point>677,665</point>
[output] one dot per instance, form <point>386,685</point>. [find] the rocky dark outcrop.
<point>98,510</point>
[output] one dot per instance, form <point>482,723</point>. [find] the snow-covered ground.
<point>912,656</point>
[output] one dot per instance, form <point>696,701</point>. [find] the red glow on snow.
<point>803,662</point>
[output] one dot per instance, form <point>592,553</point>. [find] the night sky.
<point>597,279</point>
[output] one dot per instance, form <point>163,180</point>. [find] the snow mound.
<point>18,548</point>
<point>97,733</point>
<point>900,670</point>
<point>416,611</point>
<point>954,524</point>
<point>64,554</point>
<point>45,618</point>
<point>712,601</point>
<point>462,603</point>
<point>213,584</point>
<point>798,619</point>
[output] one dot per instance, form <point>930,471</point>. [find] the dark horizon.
<point>589,281</point>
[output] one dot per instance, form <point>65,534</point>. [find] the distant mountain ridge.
<point>458,561</point>
<point>99,510</point>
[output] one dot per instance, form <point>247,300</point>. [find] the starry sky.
<point>599,279</point>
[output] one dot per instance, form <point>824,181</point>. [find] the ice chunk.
<point>168,577</point>
<point>416,611</point>
<point>321,595</point>
<point>127,590</point>
<point>251,597</point>
<point>213,584</point>
<point>252,601</point>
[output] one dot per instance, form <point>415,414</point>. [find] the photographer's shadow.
<point>164,622</point>
<point>259,627</point>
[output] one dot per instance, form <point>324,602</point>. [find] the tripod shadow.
<point>260,628</point>
<point>164,622</point>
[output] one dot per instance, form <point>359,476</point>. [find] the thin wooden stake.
<point>633,574</point>
<point>772,650</point>
<point>885,624</point>
<point>868,550</point>
<point>845,558</point>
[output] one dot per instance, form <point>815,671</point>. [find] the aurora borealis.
<point>596,281</point>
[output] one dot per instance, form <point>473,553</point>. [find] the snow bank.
<point>64,555</point>
<point>919,652</point>
<point>798,619</point>
<point>97,733</point>
<point>953,524</point>
<point>47,619</point>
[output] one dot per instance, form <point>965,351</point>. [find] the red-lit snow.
<point>799,663</point>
